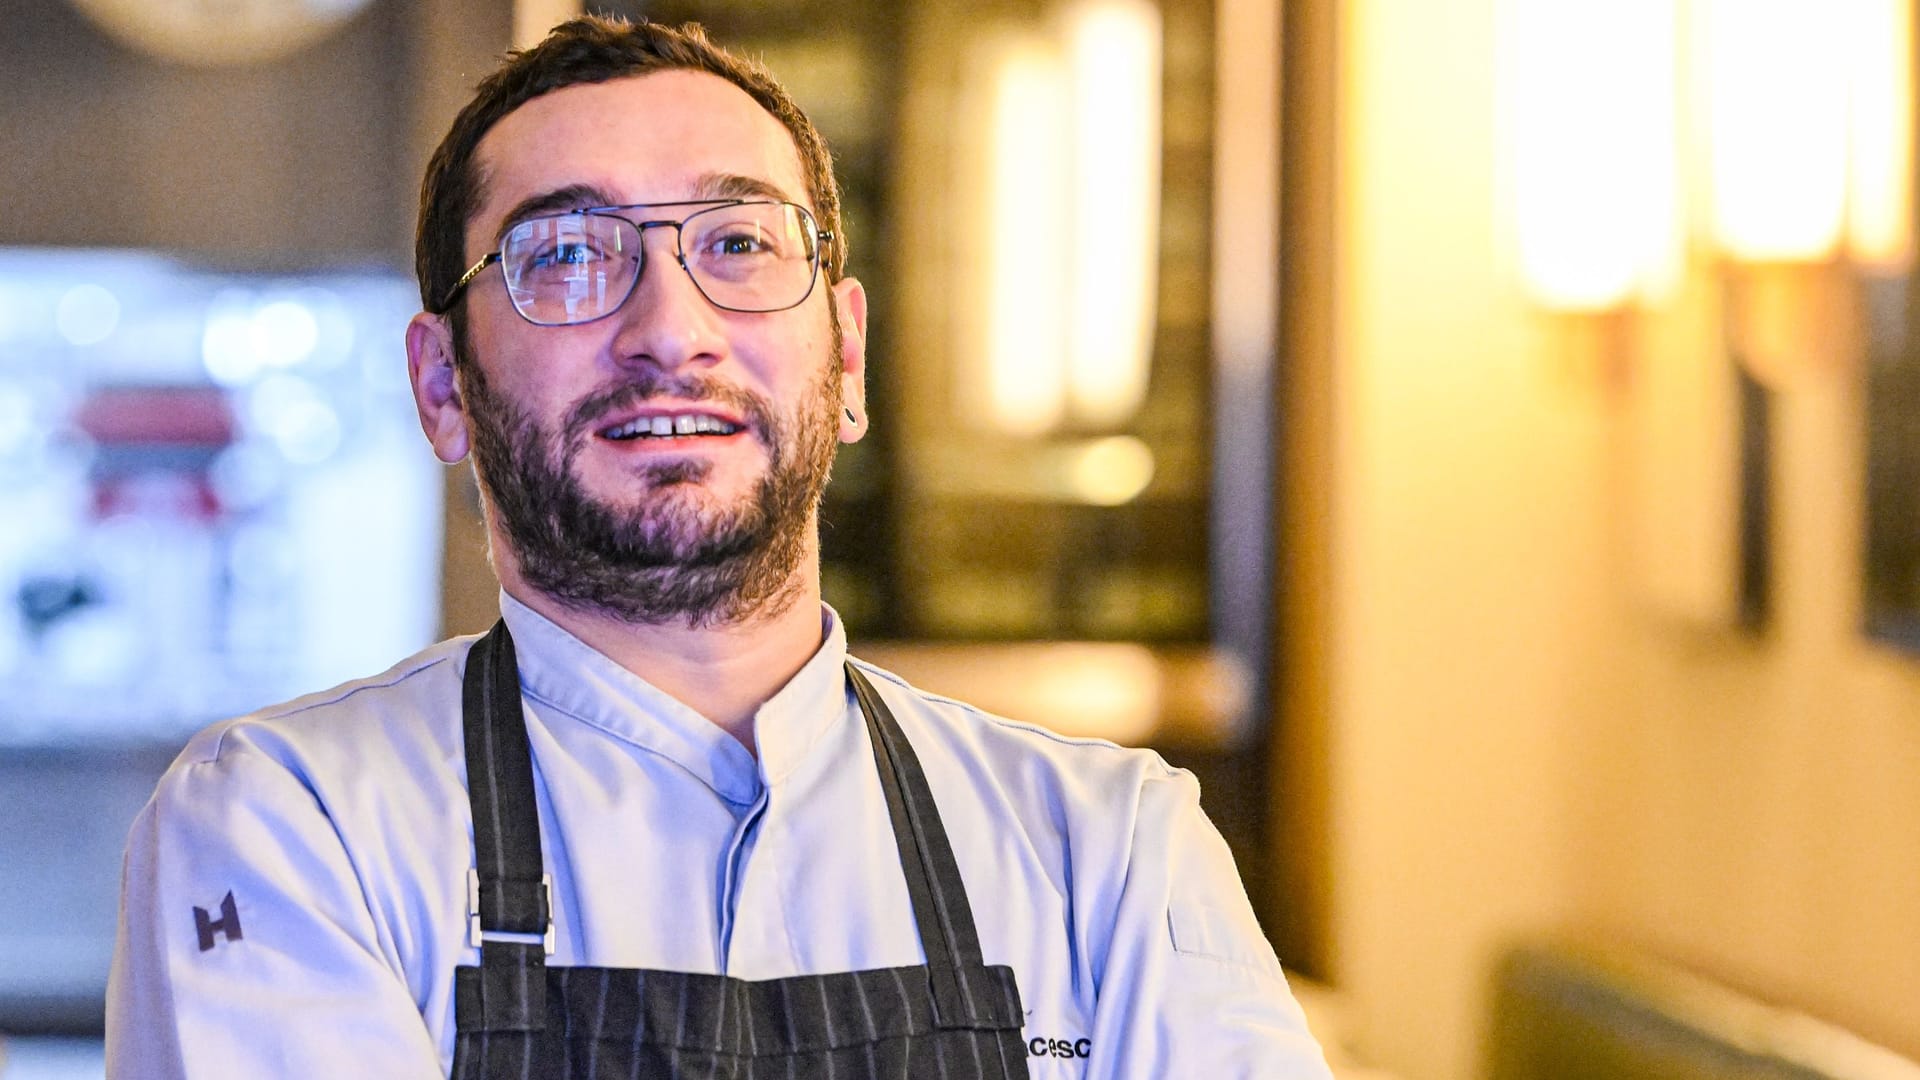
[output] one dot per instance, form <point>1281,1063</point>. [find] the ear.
<point>850,301</point>
<point>436,386</point>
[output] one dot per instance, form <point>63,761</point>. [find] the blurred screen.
<point>213,491</point>
<point>213,496</point>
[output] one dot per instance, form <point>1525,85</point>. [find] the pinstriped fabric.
<point>596,1011</point>
<point>519,1019</point>
<point>499,773</point>
<point>939,898</point>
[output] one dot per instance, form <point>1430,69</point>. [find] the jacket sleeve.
<point>246,947</point>
<point>1190,986</point>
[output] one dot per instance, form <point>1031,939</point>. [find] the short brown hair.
<point>593,49</point>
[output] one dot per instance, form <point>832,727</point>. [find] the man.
<point>655,823</point>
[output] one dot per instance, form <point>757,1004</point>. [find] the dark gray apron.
<point>516,1017</point>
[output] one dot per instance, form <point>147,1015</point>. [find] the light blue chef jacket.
<point>338,824</point>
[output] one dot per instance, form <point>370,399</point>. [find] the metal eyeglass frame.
<point>822,237</point>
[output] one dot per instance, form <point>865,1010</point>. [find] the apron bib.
<point>517,1018</point>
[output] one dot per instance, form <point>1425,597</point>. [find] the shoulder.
<point>1048,783</point>
<point>340,794</point>
<point>1004,742</point>
<point>384,706</point>
<point>1117,829</point>
<point>328,749</point>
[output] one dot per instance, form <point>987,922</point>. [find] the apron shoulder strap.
<point>507,890</point>
<point>940,906</point>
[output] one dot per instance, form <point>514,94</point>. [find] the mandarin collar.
<point>561,671</point>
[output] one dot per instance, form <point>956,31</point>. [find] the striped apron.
<point>516,1017</point>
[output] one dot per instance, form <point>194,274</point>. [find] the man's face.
<point>707,527</point>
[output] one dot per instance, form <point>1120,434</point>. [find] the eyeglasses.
<point>563,269</point>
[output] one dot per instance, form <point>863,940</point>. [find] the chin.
<point>680,503</point>
<point>634,495</point>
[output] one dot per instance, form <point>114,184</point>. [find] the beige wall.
<point>1467,477</point>
<point>1752,807</point>
<point>1521,735</point>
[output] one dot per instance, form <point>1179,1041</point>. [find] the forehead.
<point>643,138</point>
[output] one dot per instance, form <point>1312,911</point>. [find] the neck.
<point>725,673</point>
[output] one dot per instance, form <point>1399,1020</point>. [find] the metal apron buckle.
<point>475,935</point>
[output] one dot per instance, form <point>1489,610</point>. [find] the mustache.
<point>589,411</point>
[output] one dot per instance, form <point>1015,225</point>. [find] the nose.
<point>665,321</point>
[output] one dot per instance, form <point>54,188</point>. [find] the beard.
<point>669,551</point>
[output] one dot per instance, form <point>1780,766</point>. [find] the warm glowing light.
<point>1110,472</point>
<point>1880,199</point>
<point>1591,91</point>
<point>1113,57</point>
<point>1807,116</point>
<point>1115,690</point>
<point>1026,267</point>
<point>1072,181</point>
<point>1777,81</point>
<point>212,35</point>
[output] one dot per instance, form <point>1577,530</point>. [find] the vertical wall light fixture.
<point>1776,76</point>
<point>1811,111</point>
<point>1810,119</point>
<point>1113,57</point>
<point>1591,113</point>
<point>1071,174</point>
<point>1023,259</point>
<point>1804,113</point>
<point>1880,130</point>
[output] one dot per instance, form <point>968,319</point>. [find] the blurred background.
<point>1481,440</point>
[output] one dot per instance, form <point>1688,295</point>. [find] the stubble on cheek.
<point>662,547</point>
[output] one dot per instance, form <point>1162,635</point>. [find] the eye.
<point>565,253</point>
<point>563,247</point>
<point>737,241</point>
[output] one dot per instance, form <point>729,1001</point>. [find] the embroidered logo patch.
<point>228,923</point>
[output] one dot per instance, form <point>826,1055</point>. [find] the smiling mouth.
<point>672,426</point>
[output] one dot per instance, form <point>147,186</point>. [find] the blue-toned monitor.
<point>214,493</point>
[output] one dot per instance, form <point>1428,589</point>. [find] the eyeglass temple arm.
<point>466,279</point>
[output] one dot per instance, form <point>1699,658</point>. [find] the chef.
<point>656,822</point>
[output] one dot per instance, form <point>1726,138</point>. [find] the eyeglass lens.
<point>572,268</point>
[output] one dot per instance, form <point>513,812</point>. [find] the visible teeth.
<point>669,426</point>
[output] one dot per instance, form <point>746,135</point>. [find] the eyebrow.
<point>711,186</point>
<point>736,186</point>
<point>559,200</point>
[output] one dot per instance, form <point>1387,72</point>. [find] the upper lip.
<point>621,418</point>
